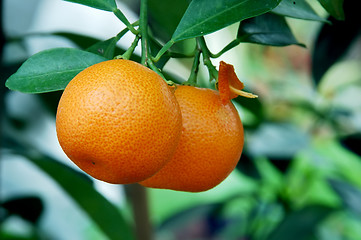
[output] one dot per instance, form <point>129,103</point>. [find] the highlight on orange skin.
<point>229,85</point>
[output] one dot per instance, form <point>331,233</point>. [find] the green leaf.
<point>297,9</point>
<point>105,48</point>
<point>266,29</point>
<point>334,40</point>
<point>334,7</point>
<point>300,224</point>
<point>350,195</point>
<point>98,208</point>
<point>207,16</point>
<point>81,41</point>
<point>51,70</point>
<point>165,16</point>
<point>106,5</point>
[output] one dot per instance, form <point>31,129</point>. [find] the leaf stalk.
<point>192,80</point>
<point>213,73</point>
<point>163,50</point>
<point>124,20</point>
<point>131,49</point>
<point>143,25</point>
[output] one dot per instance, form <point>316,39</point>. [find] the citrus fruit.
<point>210,146</point>
<point>118,121</point>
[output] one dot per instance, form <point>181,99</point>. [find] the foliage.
<point>299,174</point>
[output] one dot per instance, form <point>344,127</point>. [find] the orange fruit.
<point>118,121</point>
<point>210,146</point>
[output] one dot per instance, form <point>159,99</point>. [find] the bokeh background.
<point>298,178</point>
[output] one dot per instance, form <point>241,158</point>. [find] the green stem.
<point>163,50</point>
<point>192,80</point>
<point>143,25</point>
<point>231,45</point>
<point>131,49</point>
<point>166,47</point>
<point>122,33</point>
<point>203,46</point>
<point>124,20</point>
<point>127,54</point>
<point>213,73</point>
<point>156,69</point>
<point>137,195</point>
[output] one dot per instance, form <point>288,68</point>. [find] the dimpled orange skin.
<point>118,121</point>
<point>210,146</point>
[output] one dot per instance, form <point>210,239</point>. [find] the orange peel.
<point>229,86</point>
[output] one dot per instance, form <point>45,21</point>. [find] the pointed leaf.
<point>207,16</point>
<point>334,7</point>
<point>106,5</point>
<point>98,208</point>
<point>297,9</point>
<point>300,224</point>
<point>266,29</point>
<point>51,70</point>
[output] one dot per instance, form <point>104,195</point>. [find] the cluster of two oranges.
<point>121,123</point>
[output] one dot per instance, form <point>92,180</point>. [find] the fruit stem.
<point>137,195</point>
<point>163,50</point>
<point>192,80</point>
<point>213,73</point>
<point>143,25</point>
<point>242,93</point>
<point>131,49</point>
<point>124,20</point>
<point>156,69</point>
<point>229,46</point>
<point>125,30</point>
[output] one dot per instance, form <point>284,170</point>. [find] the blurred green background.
<point>299,176</point>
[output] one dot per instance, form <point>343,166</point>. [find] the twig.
<point>137,195</point>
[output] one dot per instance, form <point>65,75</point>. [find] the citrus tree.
<point>125,118</point>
